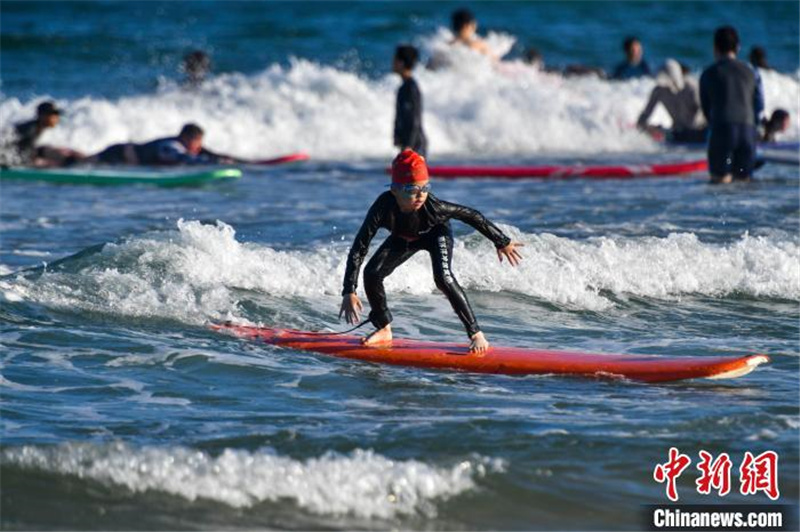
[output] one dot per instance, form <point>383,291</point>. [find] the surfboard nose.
<point>751,363</point>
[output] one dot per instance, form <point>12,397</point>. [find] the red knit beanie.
<point>409,167</point>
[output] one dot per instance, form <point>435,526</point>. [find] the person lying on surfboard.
<point>418,221</point>
<point>23,148</point>
<point>186,148</point>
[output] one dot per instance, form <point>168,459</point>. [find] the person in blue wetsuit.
<point>634,66</point>
<point>186,148</point>
<point>408,131</point>
<point>418,221</point>
<point>731,102</point>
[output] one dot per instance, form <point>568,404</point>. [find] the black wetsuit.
<point>426,229</point>
<point>27,133</point>
<point>166,151</point>
<point>731,99</point>
<point>408,118</point>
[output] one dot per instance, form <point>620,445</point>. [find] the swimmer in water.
<point>777,123</point>
<point>635,65</point>
<point>465,30</point>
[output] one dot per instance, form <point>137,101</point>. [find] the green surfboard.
<point>124,176</point>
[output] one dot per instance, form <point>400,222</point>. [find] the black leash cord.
<point>340,332</point>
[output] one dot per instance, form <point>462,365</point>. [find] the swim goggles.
<point>413,190</point>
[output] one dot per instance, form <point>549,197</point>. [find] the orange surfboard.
<point>505,360</point>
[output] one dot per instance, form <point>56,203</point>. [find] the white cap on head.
<point>671,76</point>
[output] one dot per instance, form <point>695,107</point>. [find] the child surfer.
<point>418,220</point>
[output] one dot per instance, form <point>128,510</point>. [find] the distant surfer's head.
<point>726,40</point>
<point>778,122</point>
<point>464,23</point>
<point>48,114</point>
<point>191,136</point>
<point>633,49</point>
<point>196,65</point>
<point>405,58</point>
<point>758,57</point>
<point>534,58</point>
<point>410,181</point>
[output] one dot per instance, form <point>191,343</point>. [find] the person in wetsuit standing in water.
<point>408,116</point>
<point>418,221</point>
<point>731,99</point>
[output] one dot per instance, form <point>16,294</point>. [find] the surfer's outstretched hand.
<point>510,252</point>
<point>351,309</point>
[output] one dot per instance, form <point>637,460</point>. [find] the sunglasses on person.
<point>413,190</point>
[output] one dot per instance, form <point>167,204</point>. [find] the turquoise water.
<point>121,409</point>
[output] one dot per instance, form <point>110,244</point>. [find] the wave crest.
<point>476,110</point>
<point>198,272</point>
<point>363,483</point>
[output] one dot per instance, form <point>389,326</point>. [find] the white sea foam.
<point>363,483</point>
<point>28,253</point>
<point>475,110</point>
<point>196,273</point>
<point>763,434</point>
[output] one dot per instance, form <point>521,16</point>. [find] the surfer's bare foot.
<point>379,337</point>
<point>479,343</point>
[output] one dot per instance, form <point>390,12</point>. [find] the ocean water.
<point>121,409</point>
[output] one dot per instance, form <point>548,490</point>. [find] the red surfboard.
<point>291,158</point>
<point>570,171</point>
<point>505,360</point>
